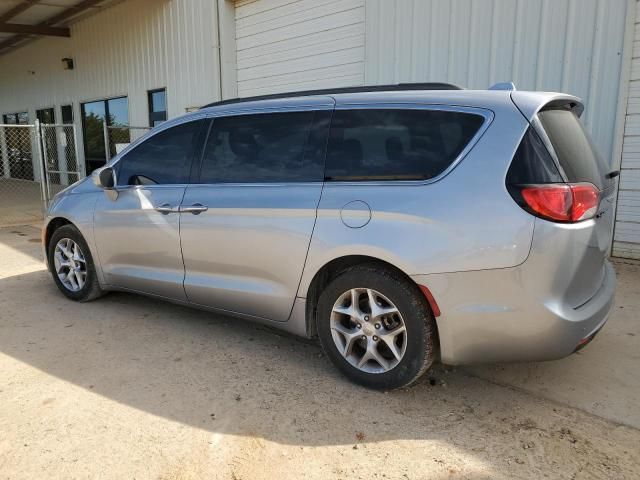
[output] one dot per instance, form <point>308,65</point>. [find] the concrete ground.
<point>128,387</point>
<point>20,202</point>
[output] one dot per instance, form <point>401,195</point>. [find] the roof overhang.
<point>23,20</point>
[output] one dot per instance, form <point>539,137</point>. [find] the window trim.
<point>225,111</point>
<point>487,114</point>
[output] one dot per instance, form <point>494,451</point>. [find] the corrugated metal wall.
<point>285,45</point>
<point>126,50</point>
<point>627,231</point>
<point>571,46</point>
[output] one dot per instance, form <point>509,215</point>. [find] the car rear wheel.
<point>376,327</point>
<point>71,265</point>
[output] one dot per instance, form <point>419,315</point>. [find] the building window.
<point>46,115</point>
<point>21,118</point>
<point>115,111</point>
<point>49,143</point>
<point>157,106</point>
<point>18,146</point>
<point>67,114</point>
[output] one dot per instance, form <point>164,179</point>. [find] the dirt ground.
<point>128,387</point>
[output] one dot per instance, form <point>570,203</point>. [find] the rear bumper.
<point>498,316</point>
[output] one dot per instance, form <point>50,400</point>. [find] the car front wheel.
<point>71,265</point>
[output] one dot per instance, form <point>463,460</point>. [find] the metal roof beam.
<point>71,11</point>
<point>62,16</point>
<point>34,30</point>
<point>17,10</point>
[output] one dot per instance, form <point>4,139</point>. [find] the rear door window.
<point>395,144</point>
<point>264,148</point>
<point>576,154</point>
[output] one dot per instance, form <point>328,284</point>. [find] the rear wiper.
<point>613,174</point>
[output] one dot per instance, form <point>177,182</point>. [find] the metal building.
<point>138,62</point>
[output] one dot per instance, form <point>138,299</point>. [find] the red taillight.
<point>571,202</point>
<point>586,199</point>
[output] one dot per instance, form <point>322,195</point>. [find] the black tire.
<point>91,289</point>
<point>412,305</point>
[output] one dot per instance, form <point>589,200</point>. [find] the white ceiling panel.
<point>38,14</point>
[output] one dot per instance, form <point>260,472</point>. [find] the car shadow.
<point>232,377</point>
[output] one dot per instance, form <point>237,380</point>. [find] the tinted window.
<point>576,154</point>
<point>165,158</point>
<point>532,162</point>
<point>268,147</point>
<point>396,144</point>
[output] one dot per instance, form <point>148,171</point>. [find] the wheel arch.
<point>85,229</point>
<point>53,225</point>
<point>330,270</point>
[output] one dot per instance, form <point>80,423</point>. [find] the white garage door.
<point>285,45</point>
<point>627,232</point>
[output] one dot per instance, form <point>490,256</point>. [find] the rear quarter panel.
<point>464,221</point>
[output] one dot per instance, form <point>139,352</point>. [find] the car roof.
<point>335,91</point>
<point>422,93</point>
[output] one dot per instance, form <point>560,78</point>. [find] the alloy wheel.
<point>70,264</point>
<point>368,330</point>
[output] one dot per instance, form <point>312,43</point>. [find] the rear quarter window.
<point>395,144</point>
<point>576,154</point>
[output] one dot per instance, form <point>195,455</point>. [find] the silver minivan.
<point>397,224</point>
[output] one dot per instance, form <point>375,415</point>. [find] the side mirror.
<point>105,178</point>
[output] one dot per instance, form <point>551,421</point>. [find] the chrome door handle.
<point>196,208</point>
<point>166,209</point>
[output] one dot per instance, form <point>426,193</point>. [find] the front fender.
<point>77,209</point>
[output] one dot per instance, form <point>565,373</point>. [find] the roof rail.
<point>510,86</point>
<point>335,91</point>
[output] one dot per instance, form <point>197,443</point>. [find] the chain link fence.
<point>60,158</point>
<point>21,190</point>
<point>36,162</point>
<point>117,137</point>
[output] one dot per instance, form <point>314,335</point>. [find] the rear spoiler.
<point>530,103</point>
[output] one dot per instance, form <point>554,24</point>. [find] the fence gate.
<point>60,158</point>
<point>36,162</point>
